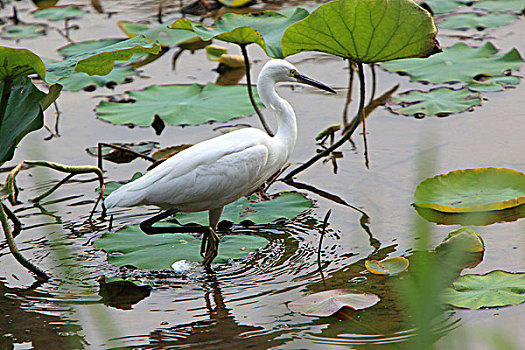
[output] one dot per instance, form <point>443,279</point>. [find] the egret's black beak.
<point>309,81</point>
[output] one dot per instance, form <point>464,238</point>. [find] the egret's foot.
<point>209,247</point>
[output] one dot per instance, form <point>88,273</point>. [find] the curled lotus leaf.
<point>472,190</point>
<point>365,31</point>
<point>59,13</point>
<point>387,266</point>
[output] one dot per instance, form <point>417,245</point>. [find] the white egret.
<point>218,171</point>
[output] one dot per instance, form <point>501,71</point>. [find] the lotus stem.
<point>348,92</point>
<point>346,136</point>
<point>250,92</point>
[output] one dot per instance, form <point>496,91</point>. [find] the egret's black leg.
<point>210,239</point>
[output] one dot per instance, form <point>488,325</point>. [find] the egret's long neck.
<point>286,122</point>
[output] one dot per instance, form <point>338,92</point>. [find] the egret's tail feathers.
<point>122,198</point>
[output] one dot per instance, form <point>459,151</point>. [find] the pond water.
<point>243,303</point>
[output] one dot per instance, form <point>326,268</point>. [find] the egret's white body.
<point>218,171</point>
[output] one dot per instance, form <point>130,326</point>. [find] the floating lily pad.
<point>131,246</point>
<point>111,186</point>
<point>328,302</point>
<point>500,5</point>
<point>472,190</point>
<point>265,29</point>
<point>59,13</point>
<point>166,36</point>
<point>236,3</point>
<point>494,289</point>
<point>476,21</point>
<point>165,153</point>
<point>476,219</point>
<point>78,80</point>
<point>464,239</point>
<point>364,31</point>
<point>86,46</point>
<point>390,266</point>
<point>457,63</point>
<point>443,6</point>
<point>24,113</point>
<point>118,156</point>
<point>179,104</point>
<point>23,31</point>
<point>288,11</point>
<point>491,84</point>
<point>286,206</point>
<point>440,102</point>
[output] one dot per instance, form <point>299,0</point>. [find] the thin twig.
<point>365,143</point>
<point>250,92</point>
<point>323,231</point>
<point>14,250</point>
<point>53,189</point>
<point>346,135</point>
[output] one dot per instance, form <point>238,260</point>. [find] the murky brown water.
<point>243,304</point>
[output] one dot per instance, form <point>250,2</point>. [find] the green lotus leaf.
<point>500,5</point>
<point>87,46</point>
<point>364,30</point>
<point>236,3</point>
<point>15,63</point>
<point>286,206</point>
<point>265,29</point>
<point>387,266</point>
<point>288,11</point>
<point>59,13</point>
<point>111,186</point>
<point>494,289</point>
<point>214,52</point>
<point>24,113</point>
<point>179,104</point>
<point>23,31</point>
<point>78,80</point>
<point>457,63</point>
<point>118,156</point>
<point>440,101</point>
<point>131,246</point>
<point>464,239</point>
<point>443,6</point>
<point>475,21</point>
<point>472,190</point>
<point>491,84</point>
<point>328,302</point>
<point>160,33</point>
<point>100,61</point>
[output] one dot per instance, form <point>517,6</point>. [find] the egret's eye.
<point>293,73</point>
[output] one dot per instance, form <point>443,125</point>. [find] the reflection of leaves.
<point>489,84</point>
<point>328,302</point>
<point>472,190</point>
<point>23,31</point>
<point>472,20</point>
<point>364,31</point>
<point>59,13</point>
<point>166,36</point>
<point>494,289</point>
<point>265,29</point>
<point>121,293</point>
<point>120,156</point>
<point>179,104</point>
<point>78,80</point>
<point>288,205</point>
<point>440,101</point>
<point>131,246</point>
<point>457,63</point>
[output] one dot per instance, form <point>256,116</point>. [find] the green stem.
<point>348,92</point>
<point>6,91</point>
<point>374,79</point>
<point>14,250</point>
<point>347,134</point>
<point>250,92</point>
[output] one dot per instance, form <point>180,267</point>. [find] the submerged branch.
<point>250,92</point>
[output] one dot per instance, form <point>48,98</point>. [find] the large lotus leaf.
<point>15,63</point>
<point>472,190</point>
<point>160,33</point>
<point>131,246</point>
<point>265,29</point>
<point>457,63</point>
<point>86,46</point>
<point>100,61</point>
<point>328,302</point>
<point>78,80</point>
<point>23,31</point>
<point>443,6</point>
<point>364,31</point>
<point>440,101</point>
<point>491,84</point>
<point>500,5</point>
<point>24,113</point>
<point>179,104</point>
<point>59,13</point>
<point>475,21</point>
<point>494,289</point>
<point>286,206</point>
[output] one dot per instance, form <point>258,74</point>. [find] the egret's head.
<point>284,71</point>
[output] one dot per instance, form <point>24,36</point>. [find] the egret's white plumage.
<point>218,171</point>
